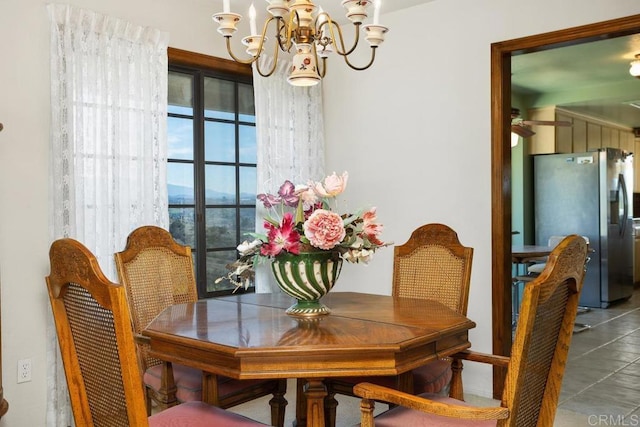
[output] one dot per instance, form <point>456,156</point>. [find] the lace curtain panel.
<point>290,138</point>
<point>108,144</point>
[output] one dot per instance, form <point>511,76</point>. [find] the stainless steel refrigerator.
<point>590,194</point>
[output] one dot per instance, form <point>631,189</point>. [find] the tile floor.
<point>601,386</point>
<point>602,377</point>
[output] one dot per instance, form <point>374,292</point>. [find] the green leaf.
<point>272,221</point>
<point>300,212</point>
<point>348,220</point>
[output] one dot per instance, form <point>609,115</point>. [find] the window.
<point>211,169</point>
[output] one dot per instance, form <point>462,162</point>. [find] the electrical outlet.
<point>24,370</point>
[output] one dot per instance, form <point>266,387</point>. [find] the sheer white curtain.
<point>290,138</point>
<point>108,144</point>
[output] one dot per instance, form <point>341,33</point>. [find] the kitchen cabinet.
<point>585,133</point>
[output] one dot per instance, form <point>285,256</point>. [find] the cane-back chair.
<point>534,369</point>
<point>432,264</point>
<point>98,351</point>
<point>157,272</point>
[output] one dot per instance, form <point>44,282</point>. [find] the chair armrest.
<point>384,394</point>
<point>476,356</point>
<point>141,339</point>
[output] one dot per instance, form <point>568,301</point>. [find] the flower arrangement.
<point>303,219</point>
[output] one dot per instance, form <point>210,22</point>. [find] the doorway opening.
<point>501,217</point>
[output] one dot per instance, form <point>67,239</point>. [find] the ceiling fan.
<point>523,127</point>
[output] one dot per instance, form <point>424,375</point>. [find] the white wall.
<point>413,132</point>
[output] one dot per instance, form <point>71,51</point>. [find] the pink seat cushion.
<point>430,378</point>
<point>198,414</point>
<point>400,416</point>
<point>189,382</point>
<point>433,377</point>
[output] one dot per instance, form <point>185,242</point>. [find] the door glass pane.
<point>246,107</point>
<point>182,226</point>
<point>219,99</point>
<point>247,223</point>
<point>180,183</point>
<point>220,142</point>
<point>248,185</point>
<point>248,147</point>
<point>180,138</point>
<point>221,227</point>
<point>220,185</point>
<point>216,262</point>
<point>180,93</point>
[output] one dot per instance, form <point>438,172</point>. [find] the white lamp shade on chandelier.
<point>298,26</point>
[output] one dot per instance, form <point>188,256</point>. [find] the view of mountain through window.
<point>211,171</point>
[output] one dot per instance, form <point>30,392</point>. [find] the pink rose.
<point>324,229</point>
<point>332,185</point>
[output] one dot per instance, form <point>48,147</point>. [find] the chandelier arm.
<point>273,67</point>
<point>235,58</point>
<point>276,49</point>
<point>289,30</point>
<point>322,70</point>
<point>373,57</point>
<point>315,57</point>
<point>344,52</point>
<point>283,27</point>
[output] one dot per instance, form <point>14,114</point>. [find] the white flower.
<point>358,256</point>
<point>247,248</point>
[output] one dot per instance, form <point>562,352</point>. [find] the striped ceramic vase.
<point>307,277</point>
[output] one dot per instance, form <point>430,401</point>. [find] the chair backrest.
<point>433,264</point>
<point>555,240</point>
<point>156,272</point>
<point>542,337</point>
<point>96,342</point>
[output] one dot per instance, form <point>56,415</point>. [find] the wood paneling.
<point>579,135</point>
<point>564,134</point>
<point>594,136</point>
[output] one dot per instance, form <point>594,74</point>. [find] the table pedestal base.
<point>310,408</point>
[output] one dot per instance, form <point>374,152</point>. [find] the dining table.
<point>249,336</point>
<point>521,254</point>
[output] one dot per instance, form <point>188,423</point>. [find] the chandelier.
<point>312,35</point>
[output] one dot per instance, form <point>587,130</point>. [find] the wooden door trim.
<point>501,53</point>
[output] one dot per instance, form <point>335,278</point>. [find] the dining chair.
<point>157,272</point>
<point>432,264</point>
<point>534,369</point>
<point>553,241</point>
<point>533,270</point>
<point>94,332</point>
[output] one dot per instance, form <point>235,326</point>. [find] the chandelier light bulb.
<point>514,139</point>
<point>376,11</point>
<point>635,67</point>
<point>252,20</point>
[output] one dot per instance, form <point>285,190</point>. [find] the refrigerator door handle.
<point>622,188</point>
